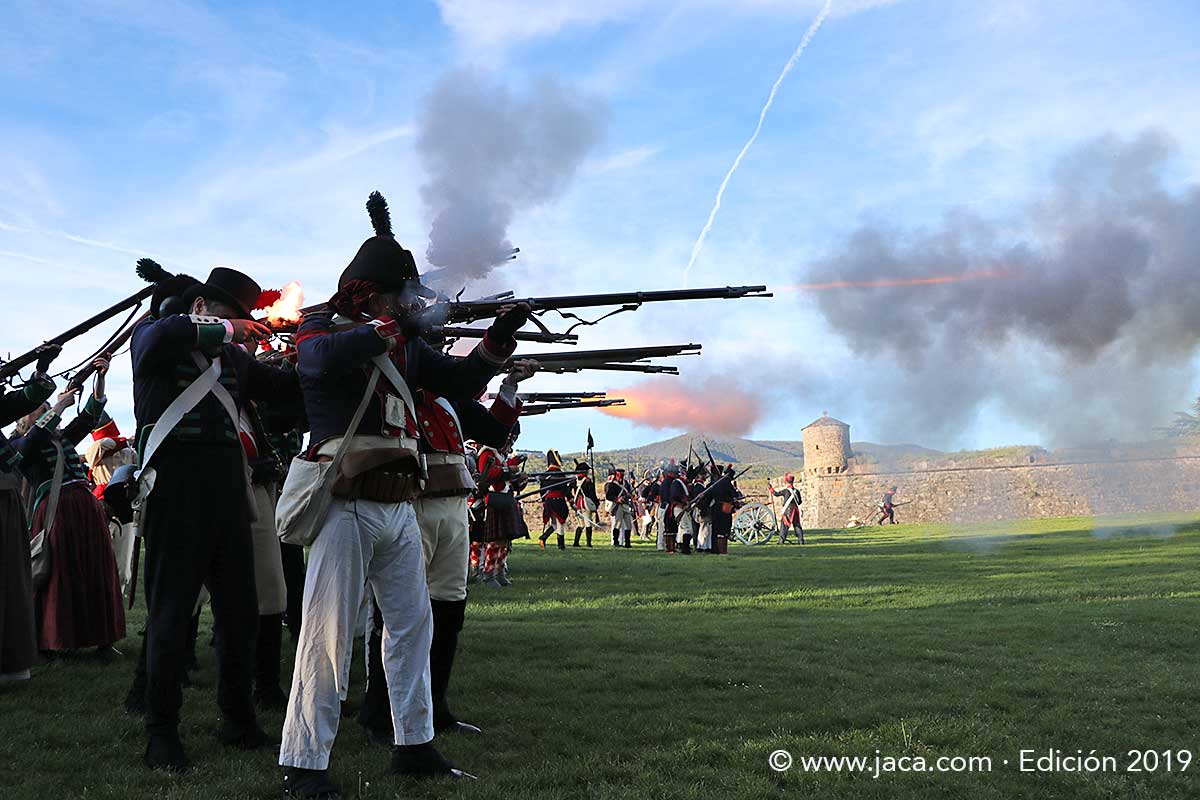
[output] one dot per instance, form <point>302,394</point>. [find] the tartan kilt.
<point>504,520</point>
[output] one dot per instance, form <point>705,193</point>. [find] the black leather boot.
<point>588,533</point>
<point>423,761</point>
<point>164,751</point>
<point>267,694</point>
<point>447,622</point>
<point>562,542</point>
<point>578,533</point>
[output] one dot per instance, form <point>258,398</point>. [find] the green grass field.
<point>620,674</point>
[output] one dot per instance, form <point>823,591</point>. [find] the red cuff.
<point>493,352</point>
<point>504,413</point>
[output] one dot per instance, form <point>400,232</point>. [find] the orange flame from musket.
<point>287,307</point>
<point>713,405</point>
<point>890,282</point>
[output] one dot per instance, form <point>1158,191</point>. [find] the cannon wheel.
<point>754,524</point>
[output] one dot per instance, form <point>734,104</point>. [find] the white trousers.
<point>447,545</point>
<point>659,515</point>
<point>360,542</point>
<point>587,517</point>
<point>268,563</point>
<point>704,537</point>
<point>621,520</point>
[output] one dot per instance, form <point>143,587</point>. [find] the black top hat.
<point>230,287</point>
<point>381,259</point>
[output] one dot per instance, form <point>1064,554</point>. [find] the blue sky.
<point>249,134</point>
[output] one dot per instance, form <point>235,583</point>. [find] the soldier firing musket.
<point>438,315</point>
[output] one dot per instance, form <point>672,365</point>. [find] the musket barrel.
<point>558,368</point>
<point>468,311</point>
<point>617,354</point>
<point>559,396</point>
<point>10,368</point>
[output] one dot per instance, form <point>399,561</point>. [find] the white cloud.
<point>623,160</point>
<point>496,25</point>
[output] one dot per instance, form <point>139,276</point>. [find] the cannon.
<point>755,523</point>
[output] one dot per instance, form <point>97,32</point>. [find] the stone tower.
<point>826,446</point>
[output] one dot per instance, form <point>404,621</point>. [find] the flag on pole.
<point>591,442</point>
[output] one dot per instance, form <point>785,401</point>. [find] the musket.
<point>117,342</point>
<point>558,397</point>
<point>541,489</point>
<point>457,332</point>
<point>543,408</point>
<point>612,356</point>
<point>712,461</point>
<point>653,369</point>
<point>439,331</point>
<point>147,269</point>
<point>472,310</point>
<point>133,573</point>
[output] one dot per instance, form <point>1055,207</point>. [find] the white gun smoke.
<point>1088,331</point>
<point>489,153</point>
<point>762,116</point>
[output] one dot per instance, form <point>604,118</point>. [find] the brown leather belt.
<point>396,482</point>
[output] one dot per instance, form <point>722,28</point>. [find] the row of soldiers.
<point>687,506</point>
<point>387,416</point>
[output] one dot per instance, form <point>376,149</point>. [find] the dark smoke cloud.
<point>490,153</point>
<point>1090,332</point>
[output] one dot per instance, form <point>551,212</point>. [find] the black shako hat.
<point>381,259</point>
<point>168,297</point>
<point>230,287</point>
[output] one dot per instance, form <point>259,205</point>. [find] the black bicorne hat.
<point>383,260</point>
<point>582,466</point>
<point>553,459</point>
<point>228,286</point>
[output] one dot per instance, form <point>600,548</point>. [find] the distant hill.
<point>772,457</point>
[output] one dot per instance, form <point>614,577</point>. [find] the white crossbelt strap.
<point>186,400</point>
<point>398,383</point>
<point>222,394</point>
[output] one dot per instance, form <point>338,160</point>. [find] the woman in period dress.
<point>79,604</point>
<point>18,649</point>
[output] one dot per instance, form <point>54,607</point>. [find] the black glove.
<point>510,322</point>
<point>46,354</point>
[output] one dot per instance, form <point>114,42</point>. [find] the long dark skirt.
<point>80,605</point>
<point>504,521</point>
<point>18,648</point>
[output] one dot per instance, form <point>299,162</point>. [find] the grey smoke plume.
<point>490,153</point>
<point>1088,333</point>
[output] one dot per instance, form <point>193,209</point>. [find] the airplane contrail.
<point>791,62</point>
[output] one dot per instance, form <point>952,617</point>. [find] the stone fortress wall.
<point>1116,479</point>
